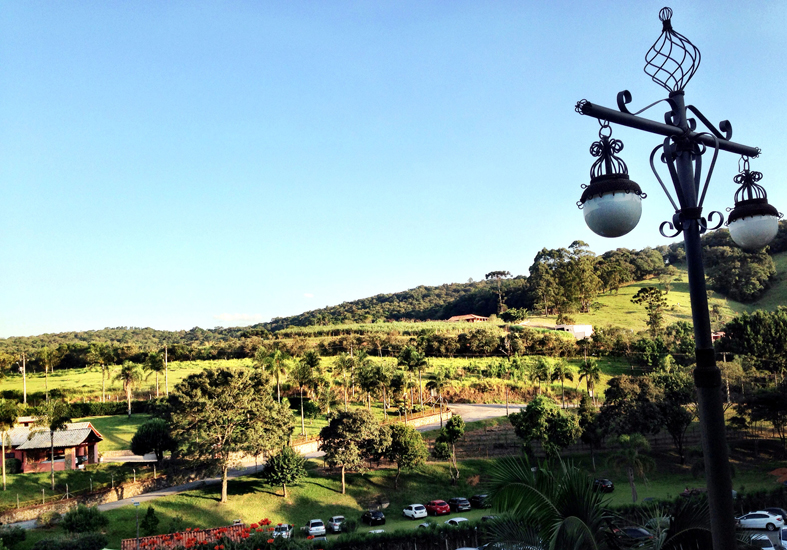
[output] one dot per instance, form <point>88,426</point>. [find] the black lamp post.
<point>612,206</point>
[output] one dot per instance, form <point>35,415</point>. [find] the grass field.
<point>318,496</point>
<point>117,430</point>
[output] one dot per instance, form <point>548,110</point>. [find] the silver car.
<point>315,527</point>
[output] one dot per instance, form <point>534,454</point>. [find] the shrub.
<point>150,522</point>
<point>177,524</point>
<point>49,519</point>
<point>11,536</point>
<point>349,526</point>
<point>90,541</point>
<point>84,520</point>
<point>13,466</point>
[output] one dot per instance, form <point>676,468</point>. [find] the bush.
<point>11,536</point>
<point>90,541</point>
<point>150,522</point>
<point>177,524</point>
<point>349,526</point>
<point>13,466</point>
<point>84,520</point>
<point>49,519</point>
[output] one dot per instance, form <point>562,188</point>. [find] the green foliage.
<point>768,404</point>
<point>654,302</point>
<point>739,275</point>
<point>88,541</point>
<point>347,439</point>
<point>154,436</point>
<point>49,519</point>
<point>630,406</point>
<point>407,449</point>
<point>349,526</point>
<point>177,524</point>
<point>445,444</point>
<point>219,412</point>
<point>84,519</point>
<point>149,523</point>
<point>760,334</point>
<point>544,421</point>
<point>285,467</point>
<point>631,457</point>
<point>10,536</point>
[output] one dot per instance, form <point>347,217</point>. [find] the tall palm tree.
<point>100,354</point>
<point>590,372</point>
<point>562,372</point>
<point>438,383</point>
<point>53,415</point>
<point>130,375</point>
<point>9,412</point>
<point>303,374</point>
<point>277,364</point>
<point>631,457</point>
<point>343,366</point>
<point>551,507</point>
<point>48,357</point>
<point>384,373</point>
<point>155,364</point>
<point>413,360</point>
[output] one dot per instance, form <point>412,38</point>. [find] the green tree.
<point>769,405</point>
<point>53,415</point>
<point>345,437</point>
<point>49,358</point>
<point>654,302</point>
<point>9,412</point>
<point>154,363</point>
<point>562,372</point>
<point>285,467</point>
<point>590,372</point>
<point>343,366</point>
<point>547,508</point>
<point>84,519</point>
<point>101,355</point>
<point>303,374</point>
<point>414,361</point>
<point>150,522</point>
<point>153,436</point>
<point>593,433</point>
<point>407,449</point>
<point>543,421</point>
<point>214,411</point>
<point>630,456</point>
<point>445,444</point>
<point>498,276</point>
<point>130,375</point>
<point>438,384</point>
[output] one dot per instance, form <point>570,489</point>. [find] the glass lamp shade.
<point>753,223</point>
<point>754,232</point>
<point>612,205</point>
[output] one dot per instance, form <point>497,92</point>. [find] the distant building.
<point>717,336</point>
<point>468,318</point>
<point>580,332</point>
<point>76,445</point>
<point>26,421</point>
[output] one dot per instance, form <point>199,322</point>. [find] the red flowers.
<point>270,541</point>
<point>310,537</point>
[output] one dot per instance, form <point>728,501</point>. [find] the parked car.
<point>781,512</point>
<point>783,537</point>
<point>762,541</point>
<point>603,485</point>
<point>454,521</point>
<point>335,524</point>
<point>760,520</point>
<point>283,530</point>
<point>459,504</point>
<point>415,511</point>
<point>315,527</point>
<point>631,536</point>
<point>480,501</point>
<point>437,507</point>
<point>373,517</point>
<point>376,531</point>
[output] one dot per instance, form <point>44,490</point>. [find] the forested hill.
<point>420,303</point>
<point>561,282</point>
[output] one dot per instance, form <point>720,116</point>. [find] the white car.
<point>415,511</point>
<point>454,521</point>
<point>376,531</point>
<point>762,541</point>
<point>783,537</point>
<point>283,530</point>
<point>315,527</point>
<point>760,520</point>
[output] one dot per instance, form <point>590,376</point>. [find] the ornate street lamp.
<point>612,206</point>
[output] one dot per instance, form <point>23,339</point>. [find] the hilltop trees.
<point>214,413</point>
<point>654,302</point>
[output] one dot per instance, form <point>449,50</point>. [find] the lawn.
<point>117,430</point>
<point>28,487</point>
<point>318,496</point>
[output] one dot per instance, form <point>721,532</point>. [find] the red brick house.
<point>77,444</point>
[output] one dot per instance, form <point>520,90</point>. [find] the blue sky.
<point>180,164</point>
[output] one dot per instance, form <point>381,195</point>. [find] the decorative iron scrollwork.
<point>672,60</point>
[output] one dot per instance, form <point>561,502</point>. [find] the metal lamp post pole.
<point>136,506</point>
<point>682,152</point>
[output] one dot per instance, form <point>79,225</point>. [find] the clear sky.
<point>179,164</point>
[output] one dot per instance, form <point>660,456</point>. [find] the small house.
<point>468,318</point>
<point>580,332</point>
<point>74,446</point>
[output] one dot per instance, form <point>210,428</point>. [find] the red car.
<point>437,507</point>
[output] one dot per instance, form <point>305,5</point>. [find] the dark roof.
<point>27,439</point>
